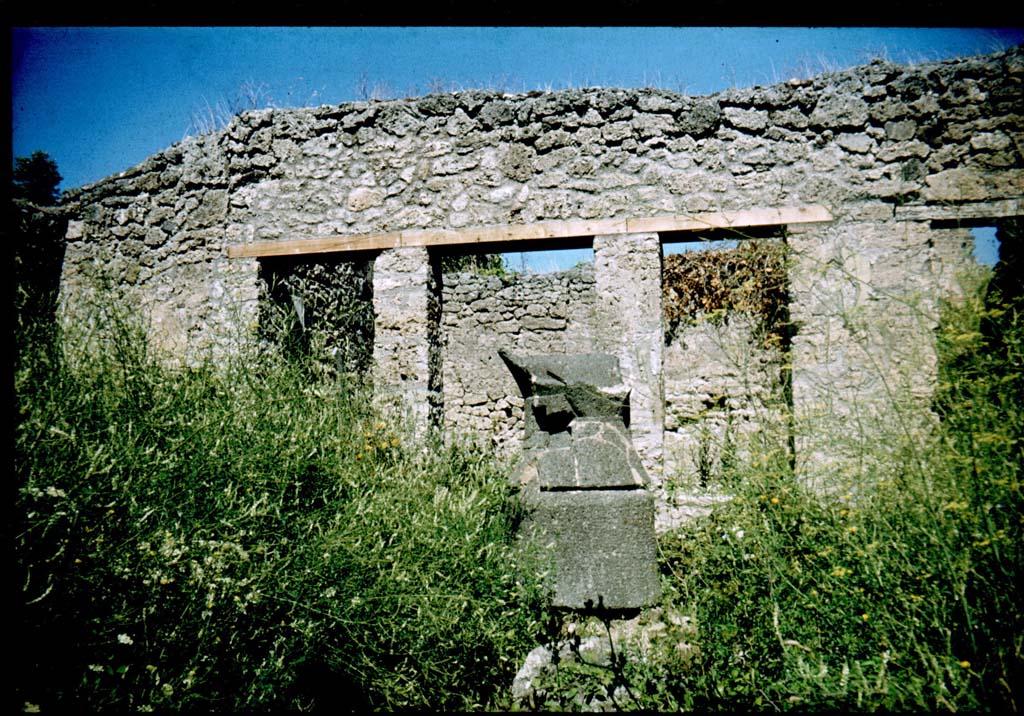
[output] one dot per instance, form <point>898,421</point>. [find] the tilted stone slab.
<point>559,388</point>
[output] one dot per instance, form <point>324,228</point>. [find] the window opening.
<point>986,245</point>
<point>548,260</point>
<point>727,337</point>
<point>320,310</point>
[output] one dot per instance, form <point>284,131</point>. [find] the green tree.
<point>38,227</point>
<point>36,179</point>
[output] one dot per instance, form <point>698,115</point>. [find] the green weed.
<point>241,537</point>
<point>904,597</point>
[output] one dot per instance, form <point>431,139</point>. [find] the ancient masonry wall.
<point>901,156</point>
<point>723,389</point>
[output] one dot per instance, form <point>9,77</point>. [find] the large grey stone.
<point>603,546</point>
<point>593,453</point>
<point>559,388</point>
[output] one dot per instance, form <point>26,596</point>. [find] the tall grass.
<point>242,536</point>
<point>239,537</point>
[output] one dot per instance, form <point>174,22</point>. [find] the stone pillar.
<point>630,326</point>
<point>406,308</point>
<point>865,304</point>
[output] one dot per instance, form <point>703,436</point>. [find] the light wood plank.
<point>536,231</point>
<point>731,219</point>
<point>974,210</point>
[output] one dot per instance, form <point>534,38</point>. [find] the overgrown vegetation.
<point>320,312</point>
<point>238,537</point>
<point>903,597</point>
<point>750,278</point>
<point>485,264</point>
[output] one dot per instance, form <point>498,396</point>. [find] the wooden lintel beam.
<point>962,212</point>
<point>536,231</point>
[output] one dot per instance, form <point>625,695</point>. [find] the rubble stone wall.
<point>522,313</point>
<point>886,148</point>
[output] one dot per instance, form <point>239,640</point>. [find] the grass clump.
<point>904,596</point>
<point>242,537</point>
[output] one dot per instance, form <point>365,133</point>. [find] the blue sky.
<point>100,100</point>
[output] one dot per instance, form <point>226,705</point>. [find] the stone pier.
<point>629,323</point>
<point>865,305</point>
<point>406,313</point>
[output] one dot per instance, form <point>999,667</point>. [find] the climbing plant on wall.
<point>709,285</point>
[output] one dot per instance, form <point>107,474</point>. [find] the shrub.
<point>750,278</point>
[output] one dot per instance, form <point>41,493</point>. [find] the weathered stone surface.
<point>750,119</point>
<point>902,130</point>
<point>583,481</point>
<point>474,330</point>
<point>969,184</point>
<point>840,111</point>
<point>518,162</point>
<point>630,325</point>
<point>592,453</point>
<point>604,457</point>
<point>364,197</point>
<point>700,118</point>
<point>405,313</point>
<point>560,388</point>
<point>603,546</point>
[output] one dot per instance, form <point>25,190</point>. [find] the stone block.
<point>603,546</point>
<point>592,454</point>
